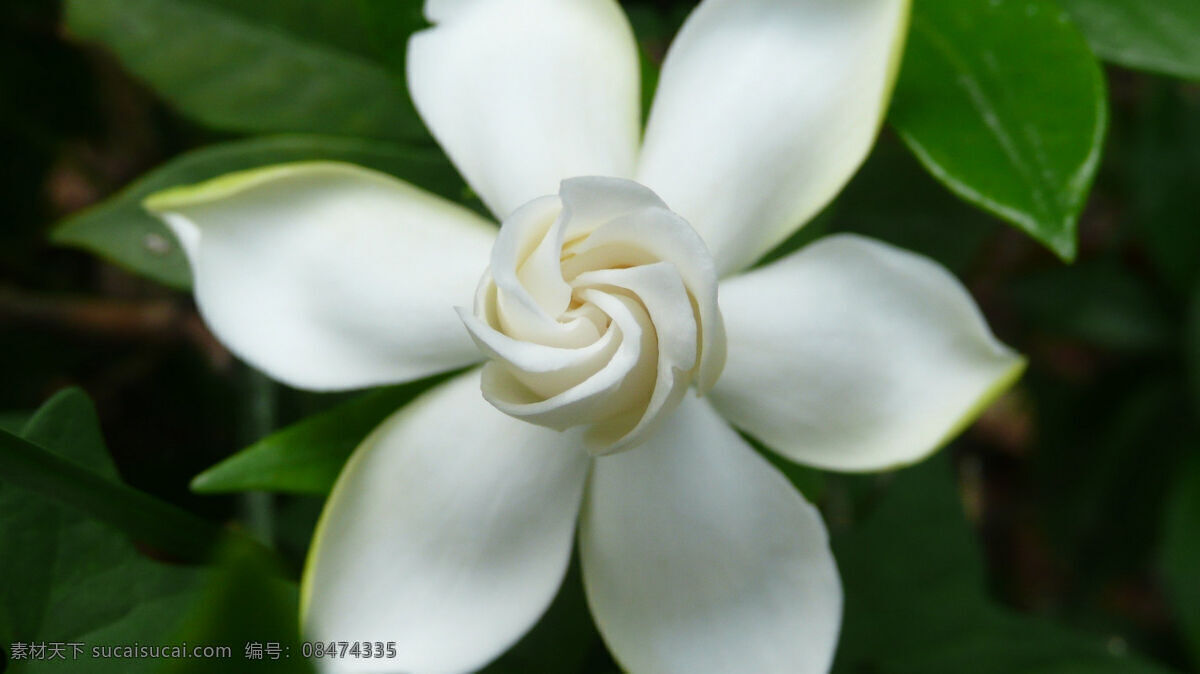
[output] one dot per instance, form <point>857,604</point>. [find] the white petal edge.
<point>523,94</point>
<point>699,556</point>
<point>329,276</point>
<point>855,355</point>
<point>448,532</point>
<point>764,111</point>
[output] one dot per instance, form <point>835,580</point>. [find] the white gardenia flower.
<point>598,310</point>
<point>612,373</point>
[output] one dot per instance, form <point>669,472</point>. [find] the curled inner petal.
<point>599,309</point>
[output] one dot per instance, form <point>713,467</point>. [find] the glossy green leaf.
<point>244,603</point>
<point>91,486</point>
<point>1004,103</point>
<point>1181,553</point>
<point>66,578</point>
<point>1156,35</point>
<point>120,230</point>
<point>306,457</point>
<point>916,603</point>
<point>281,66</point>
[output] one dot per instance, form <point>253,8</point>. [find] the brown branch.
<point>160,320</point>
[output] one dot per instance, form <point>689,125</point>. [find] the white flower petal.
<point>662,294</point>
<point>698,556</point>
<point>660,234</point>
<point>523,311</point>
<point>523,94</point>
<point>764,110</point>
<point>448,533</point>
<point>665,299</point>
<point>330,276</point>
<point>855,355</point>
<point>613,387</point>
<point>599,309</point>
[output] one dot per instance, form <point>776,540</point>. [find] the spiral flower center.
<point>598,311</point>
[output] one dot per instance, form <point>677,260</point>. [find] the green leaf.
<point>13,422</point>
<point>1160,167</point>
<point>1181,553</point>
<point>1157,35</point>
<point>1101,488</point>
<point>915,599</point>
<point>121,231</point>
<point>1003,102</point>
<point>89,482</point>
<point>244,602</point>
<point>1191,345</point>
<point>389,24</point>
<point>256,67</point>
<point>65,578</point>
<point>335,23</point>
<point>305,458</point>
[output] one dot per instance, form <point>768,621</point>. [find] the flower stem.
<point>259,410</point>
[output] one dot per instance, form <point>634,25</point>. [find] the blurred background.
<point>1076,498</point>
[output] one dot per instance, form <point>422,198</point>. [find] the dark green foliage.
<point>916,600</point>
<point>1081,552</point>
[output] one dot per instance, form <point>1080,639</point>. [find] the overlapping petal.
<point>599,309</point>
<point>523,94</point>
<point>329,276</point>
<point>764,110</point>
<point>698,556</point>
<point>448,533</point>
<point>855,355</point>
